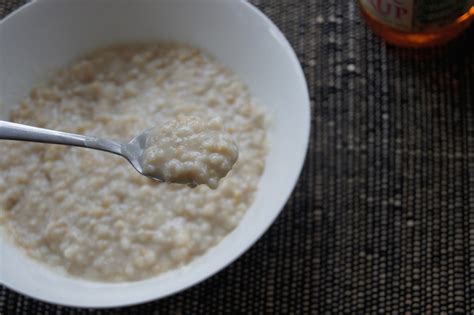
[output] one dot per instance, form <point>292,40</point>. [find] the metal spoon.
<point>132,151</point>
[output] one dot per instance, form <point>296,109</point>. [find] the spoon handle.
<point>14,131</point>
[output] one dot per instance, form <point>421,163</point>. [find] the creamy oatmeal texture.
<point>190,150</point>
<point>92,215</point>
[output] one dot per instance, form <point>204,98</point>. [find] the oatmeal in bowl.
<point>89,213</point>
<point>83,226</point>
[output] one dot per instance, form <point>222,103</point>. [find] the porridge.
<point>90,214</point>
<point>189,150</point>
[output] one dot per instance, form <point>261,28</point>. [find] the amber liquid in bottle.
<point>403,23</point>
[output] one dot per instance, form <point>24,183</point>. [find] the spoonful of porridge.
<point>185,150</point>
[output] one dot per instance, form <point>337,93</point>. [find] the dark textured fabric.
<point>7,6</point>
<point>382,217</point>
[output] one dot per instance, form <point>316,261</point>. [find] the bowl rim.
<point>243,249</point>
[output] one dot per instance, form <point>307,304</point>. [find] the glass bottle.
<point>417,23</point>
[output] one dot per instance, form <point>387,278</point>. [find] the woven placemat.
<point>382,217</point>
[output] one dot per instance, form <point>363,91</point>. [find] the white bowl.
<point>47,34</point>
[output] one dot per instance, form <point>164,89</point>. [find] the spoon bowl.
<point>133,151</point>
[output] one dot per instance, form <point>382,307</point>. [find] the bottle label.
<point>415,15</point>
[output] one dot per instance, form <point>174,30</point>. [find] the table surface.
<point>382,218</point>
